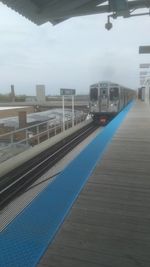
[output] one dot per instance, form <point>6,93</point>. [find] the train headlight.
<point>111,104</point>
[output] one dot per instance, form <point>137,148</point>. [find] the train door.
<point>124,96</point>
<point>114,98</point>
<point>121,99</point>
<point>103,99</point>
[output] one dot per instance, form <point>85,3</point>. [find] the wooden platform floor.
<point>109,224</point>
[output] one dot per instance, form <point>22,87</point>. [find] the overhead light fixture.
<point>108,25</point>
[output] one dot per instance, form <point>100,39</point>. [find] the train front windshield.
<point>114,93</point>
<point>94,94</point>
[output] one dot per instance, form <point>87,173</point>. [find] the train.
<point>107,99</point>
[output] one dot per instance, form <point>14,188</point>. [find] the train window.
<point>104,92</point>
<point>94,94</point>
<point>114,93</point>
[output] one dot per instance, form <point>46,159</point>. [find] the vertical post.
<point>72,110</point>
<point>26,131</point>
<point>63,107</point>
<point>55,128</point>
<point>48,130</point>
<point>67,123</point>
<point>38,132</point>
<point>12,139</point>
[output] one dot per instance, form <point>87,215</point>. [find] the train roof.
<point>109,83</point>
<point>104,83</point>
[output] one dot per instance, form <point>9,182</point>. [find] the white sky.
<point>73,54</point>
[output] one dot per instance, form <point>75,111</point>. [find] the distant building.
<point>22,115</point>
<point>13,111</point>
<point>12,94</point>
<point>40,93</point>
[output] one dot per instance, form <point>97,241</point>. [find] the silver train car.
<point>107,99</point>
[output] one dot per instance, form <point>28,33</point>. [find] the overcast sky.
<point>73,54</point>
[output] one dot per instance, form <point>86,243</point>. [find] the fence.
<point>19,140</point>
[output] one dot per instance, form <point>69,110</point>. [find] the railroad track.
<point>18,180</point>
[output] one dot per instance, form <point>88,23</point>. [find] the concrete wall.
<point>50,103</point>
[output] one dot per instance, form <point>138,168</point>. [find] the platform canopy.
<point>56,11</point>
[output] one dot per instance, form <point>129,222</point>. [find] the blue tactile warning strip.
<point>25,239</point>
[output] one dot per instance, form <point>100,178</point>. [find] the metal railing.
<point>35,134</point>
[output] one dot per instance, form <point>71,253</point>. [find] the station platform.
<point>109,223</point>
<point>96,212</point>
